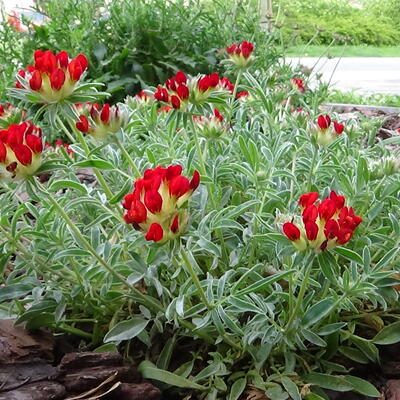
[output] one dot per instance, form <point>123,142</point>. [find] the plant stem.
<point>198,149</point>
<point>195,278</point>
<point>313,160</point>
<point>135,169</point>
<point>307,271</point>
<point>235,89</point>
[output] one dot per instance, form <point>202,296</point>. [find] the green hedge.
<point>323,21</point>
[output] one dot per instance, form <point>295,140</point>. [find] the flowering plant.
<point>172,265</point>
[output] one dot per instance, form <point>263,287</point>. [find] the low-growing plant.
<point>198,244</point>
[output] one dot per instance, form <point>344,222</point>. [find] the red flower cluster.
<point>100,121</point>
<point>176,92</point>
<point>298,84</point>
<point>20,150</point>
<point>324,131</point>
<point>180,89</point>
<point>54,76</point>
<point>154,205</point>
<point>324,225</point>
<point>241,54</point>
<point>244,49</point>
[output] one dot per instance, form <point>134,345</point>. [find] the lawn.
<point>342,51</point>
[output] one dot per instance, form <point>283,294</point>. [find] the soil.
<point>29,370</point>
<point>36,366</point>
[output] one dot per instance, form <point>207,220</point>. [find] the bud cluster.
<point>323,225</point>
<point>20,150</point>
<point>155,204</point>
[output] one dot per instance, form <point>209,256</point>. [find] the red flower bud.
<point>23,154</point>
<point>34,143</point>
<point>331,229</point>
<point>176,103</point>
<point>137,213</point>
<point>155,232</point>
<point>75,70</point>
<point>326,209</point>
<point>339,200</point>
<point>57,79</point>
<point>310,214</point>
<point>339,128</point>
<point>153,201</point>
<point>105,114</point>
<point>291,231</point>
<point>344,235</point>
<point>179,186</point>
<point>83,61</point>
<point>161,94</point>
<point>173,171</point>
<point>180,77</point>
<point>195,181</point>
<point>63,59</point>
<point>83,124</point>
<point>175,224</point>
<point>47,62</point>
<point>308,199</point>
<point>311,230</point>
<point>3,152</point>
<point>324,121</point>
<point>182,91</point>
<point>36,80</point>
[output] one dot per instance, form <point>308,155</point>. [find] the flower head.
<point>212,126</point>
<point>155,205</point>
<point>99,121</point>
<point>53,77</point>
<point>241,54</point>
<point>298,84</point>
<point>182,90</point>
<point>323,225</point>
<point>324,131</point>
<point>20,150</point>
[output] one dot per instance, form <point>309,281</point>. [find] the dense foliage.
<point>211,294</point>
<point>324,21</point>
<point>133,44</point>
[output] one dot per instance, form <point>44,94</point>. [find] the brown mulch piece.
<point>27,371</point>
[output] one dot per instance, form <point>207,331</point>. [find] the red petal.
<point>179,186</point>
<point>308,199</point>
<point>155,232</point>
<point>175,224</point>
<point>57,79</point>
<point>23,154</point>
<point>105,113</point>
<point>291,231</point>
<point>3,152</point>
<point>153,201</point>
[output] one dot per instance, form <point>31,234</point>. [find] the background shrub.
<point>132,44</point>
<point>322,21</point>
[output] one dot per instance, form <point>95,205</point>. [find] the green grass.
<point>342,51</point>
<point>376,99</point>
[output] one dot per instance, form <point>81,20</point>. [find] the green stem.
<point>135,169</point>
<point>303,287</point>
<point>195,278</point>
<point>314,158</point>
<point>235,89</point>
<point>203,170</point>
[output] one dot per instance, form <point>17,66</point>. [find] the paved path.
<point>366,74</point>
